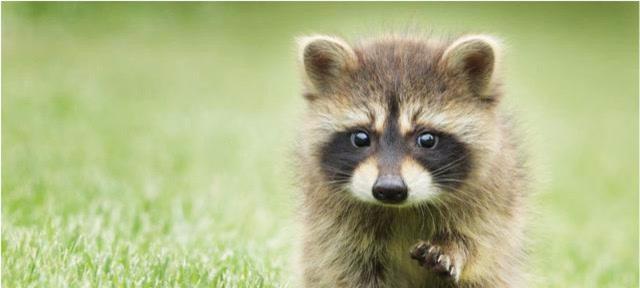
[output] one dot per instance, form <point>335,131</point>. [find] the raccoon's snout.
<point>390,189</point>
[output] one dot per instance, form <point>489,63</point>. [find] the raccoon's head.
<point>399,121</point>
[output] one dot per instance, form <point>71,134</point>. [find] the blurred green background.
<point>147,144</point>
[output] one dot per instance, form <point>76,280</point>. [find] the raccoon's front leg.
<point>443,259</point>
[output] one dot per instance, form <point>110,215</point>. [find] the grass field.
<point>146,145</point>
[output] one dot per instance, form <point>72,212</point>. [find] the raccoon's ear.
<point>473,58</point>
<point>325,60</point>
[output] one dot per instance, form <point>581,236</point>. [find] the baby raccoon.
<point>411,174</point>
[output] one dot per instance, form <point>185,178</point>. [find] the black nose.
<point>390,189</point>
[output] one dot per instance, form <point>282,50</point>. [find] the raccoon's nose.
<point>390,189</point>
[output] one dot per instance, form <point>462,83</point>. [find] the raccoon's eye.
<point>360,139</point>
<point>427,140</point>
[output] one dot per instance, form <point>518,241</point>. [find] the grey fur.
<point>476,229</point>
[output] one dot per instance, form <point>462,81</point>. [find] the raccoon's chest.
<point>402,270</point>
<point>383,260</point>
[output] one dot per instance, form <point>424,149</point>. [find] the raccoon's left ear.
<point>473,59</point>
<point>325,59</point>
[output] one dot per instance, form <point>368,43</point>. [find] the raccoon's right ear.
<point>473,58</point>
<point>325,60</point>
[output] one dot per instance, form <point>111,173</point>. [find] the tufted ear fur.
<point>473,58</point>
<point>325,60</point>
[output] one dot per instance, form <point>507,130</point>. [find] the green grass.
<point>147,144</point>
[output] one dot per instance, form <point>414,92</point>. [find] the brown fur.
<point>478,225</point>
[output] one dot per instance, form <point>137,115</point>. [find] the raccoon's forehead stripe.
<point>446,119</point>
<point>353,118</point>
<point>379,116</point>
<point>452,120</point>
<point>462,124</point>
<point>407,117</point>
<point>341,120</point>
<point>372,116</point>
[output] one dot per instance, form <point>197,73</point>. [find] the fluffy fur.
<point>460,230</point>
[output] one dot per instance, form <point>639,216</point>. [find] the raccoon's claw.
<point>433,258</point>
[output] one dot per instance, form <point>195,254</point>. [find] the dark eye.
<point>427,140</point>
<point>360,139</point>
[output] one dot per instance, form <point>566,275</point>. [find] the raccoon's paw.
<point>434,258</point>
